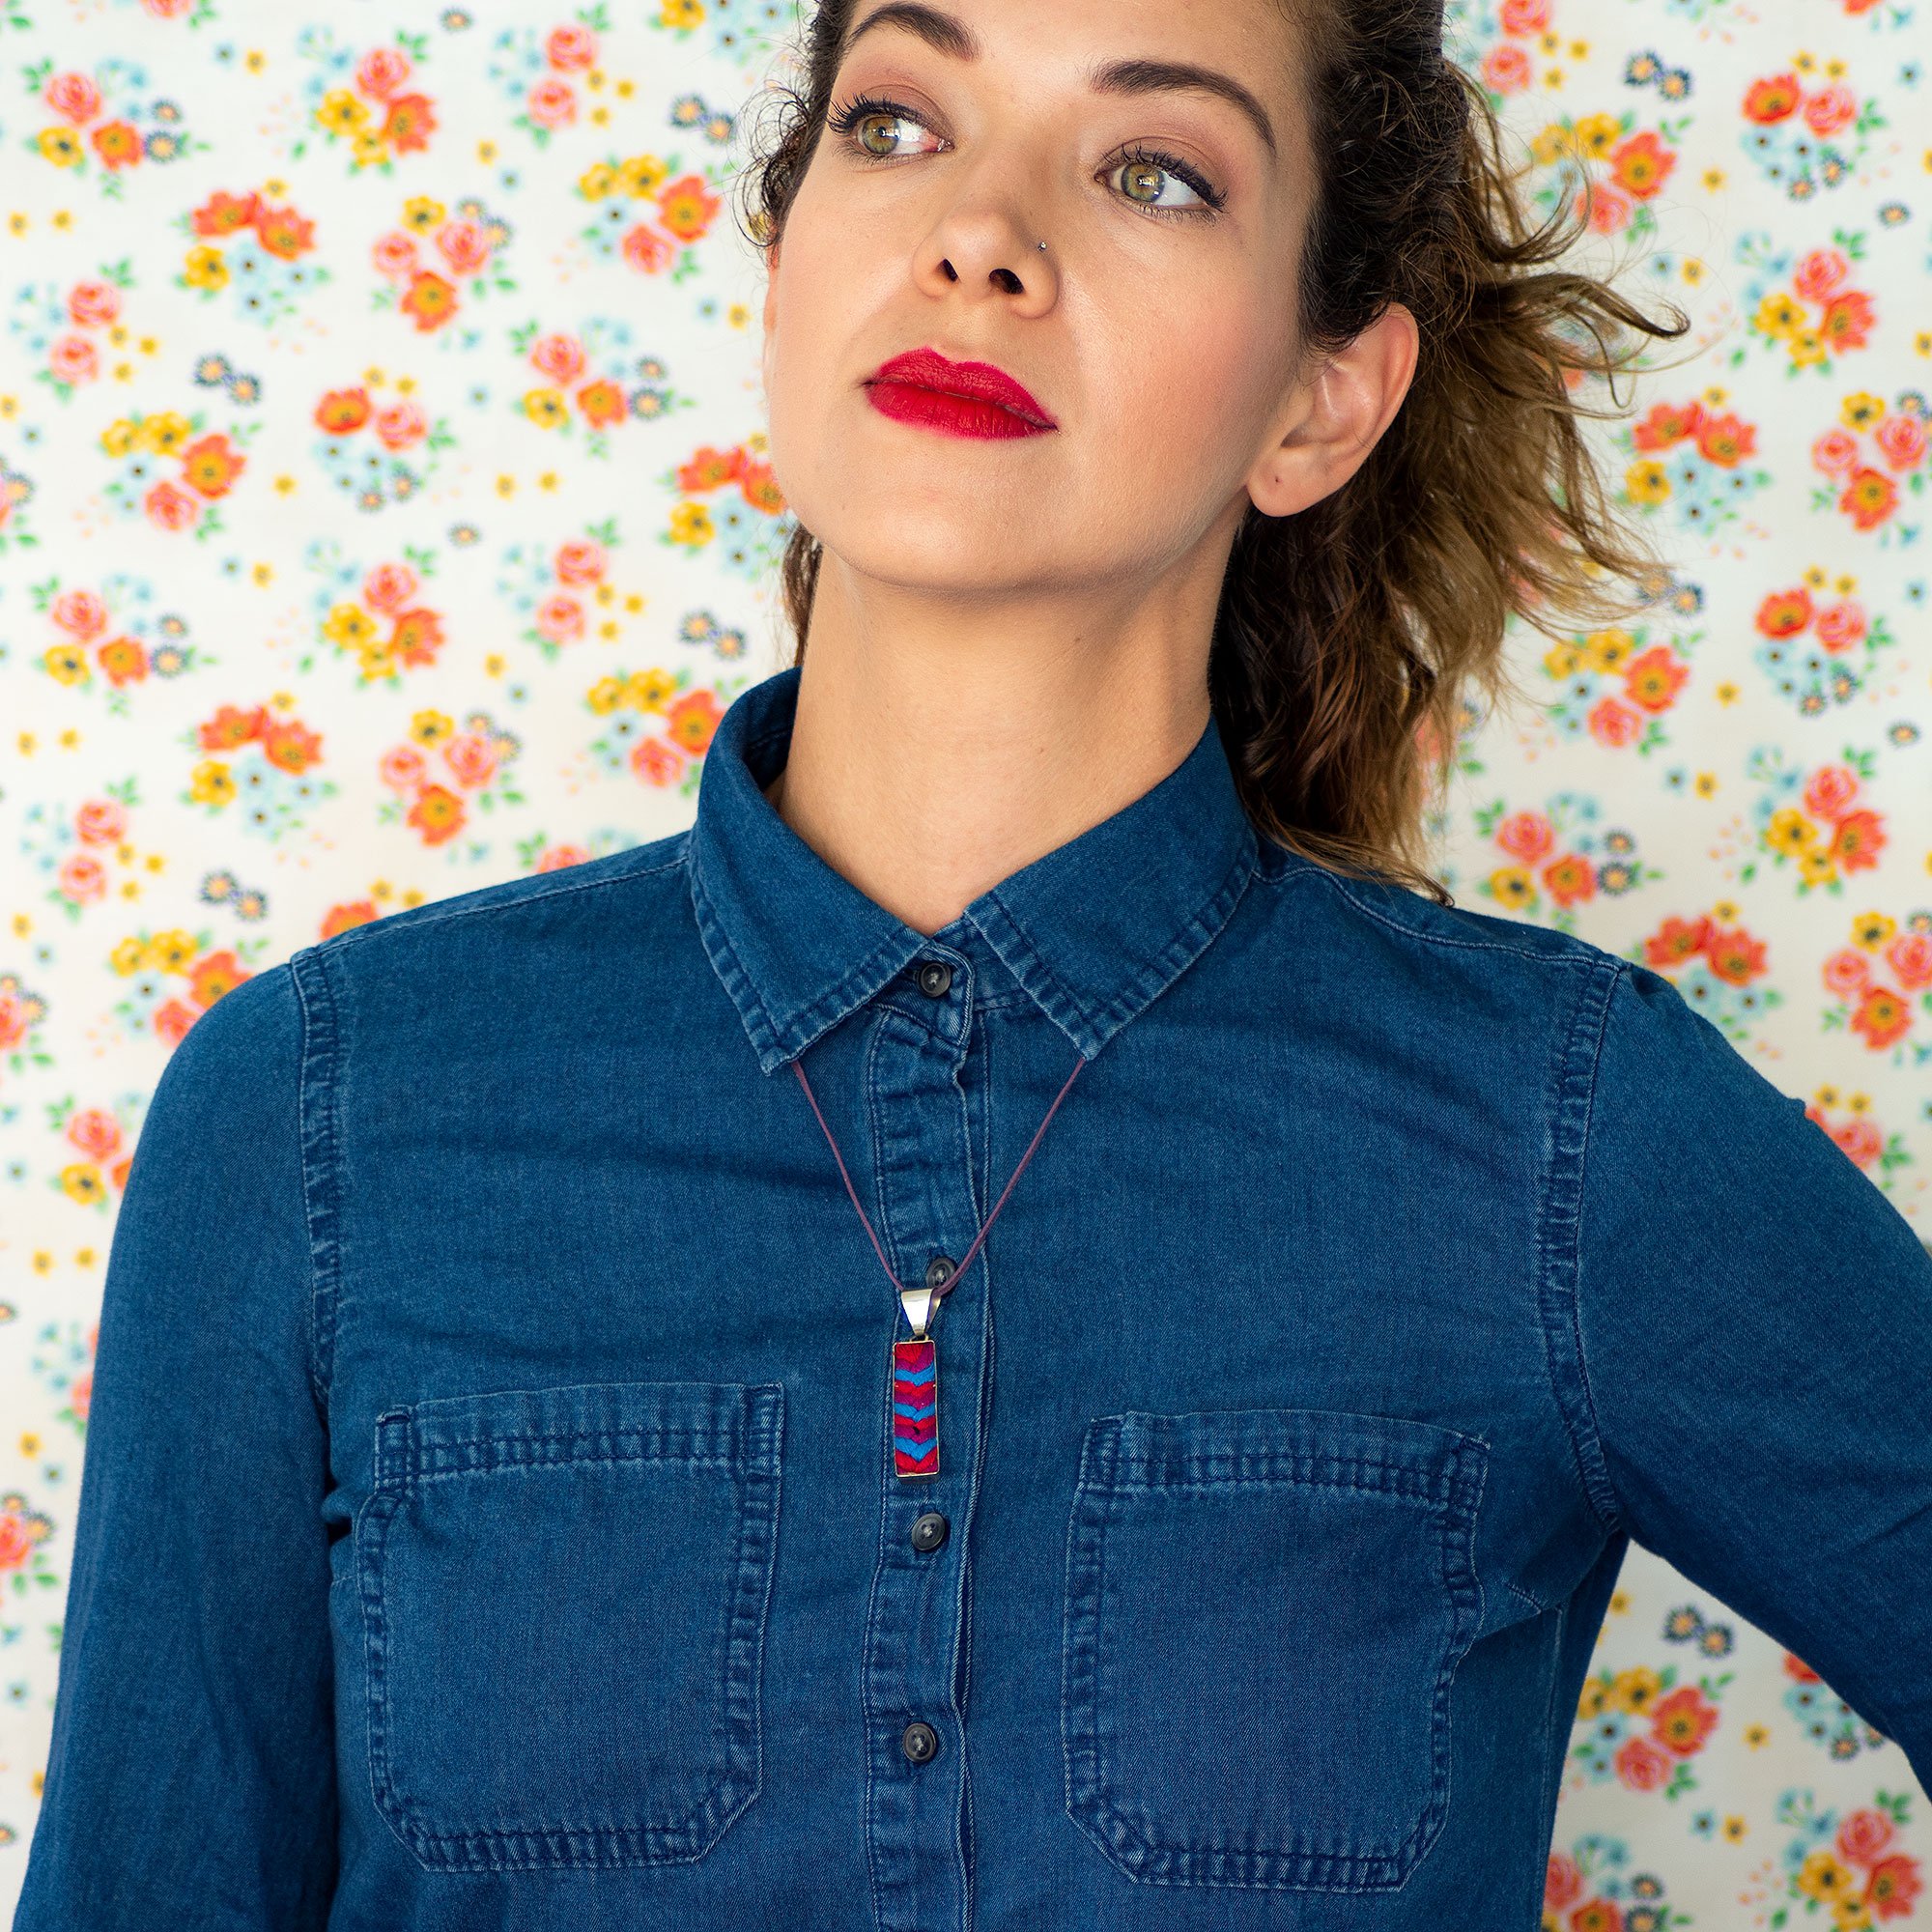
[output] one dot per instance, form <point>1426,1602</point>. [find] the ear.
<point>771,314</point>
<point>1336,416</point>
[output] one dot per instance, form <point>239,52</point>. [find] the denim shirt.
<point>488,1517</point>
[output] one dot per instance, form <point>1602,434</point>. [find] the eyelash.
<point>844,120</point>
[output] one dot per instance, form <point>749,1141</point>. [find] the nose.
<point>985,253</point>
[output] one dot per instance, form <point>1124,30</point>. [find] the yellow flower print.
<point>1511,886</point>
<point>348,625</point>
<point>81,1181</point>
<point>597,182</point>
<point>1596,1696</point>
<point>1823,1876</point>
<point>164,431</point>
<point>1550,145</point>
<point>650,690</point>
<point>1807,349</point>
<point>60,145</point>
<point>67,665</point>
<point>545,408</point>
<point>1646,482</point>
<point>1636,1690</point>
<point>1817,867</point>
<point>377,660</point>
<point>118,437</point>
<point>1778,315</point>
<point>125,958</point>
<point>1609,650</point>
<point>1596,134</point>
<point>169,951</point>
<point>340,112</point>
<point>367,148</point>
<point>691,523</point>
<point>432,727</point>
<point>605,696</point>
<point>210,783</point>
<point>1861,411</point>
<point>1790,830</point>
<point>206,268</point>
<point>682,13</point>
<point>422,213</point>
<point>641,174</point>
<point>1871,929</point>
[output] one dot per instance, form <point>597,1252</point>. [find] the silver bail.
<point>918,1305</point>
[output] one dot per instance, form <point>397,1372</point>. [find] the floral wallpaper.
<point>385,511</point>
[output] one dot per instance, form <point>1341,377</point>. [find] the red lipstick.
<point>956,398</point>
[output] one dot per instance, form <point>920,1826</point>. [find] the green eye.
<point>1140,182</point>
<point>1163,185</point>
<point>880,133</point>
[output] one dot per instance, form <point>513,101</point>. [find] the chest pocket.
<point>1265,1610</point>
<point>564,1594</point>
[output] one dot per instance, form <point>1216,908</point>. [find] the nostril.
<point>951,273</point>
<point>1008,280</point>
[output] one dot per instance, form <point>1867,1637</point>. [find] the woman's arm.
<point>191,1782</point>
<point>1754,1324</point>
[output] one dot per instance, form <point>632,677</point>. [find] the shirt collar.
<point>1093,930</point>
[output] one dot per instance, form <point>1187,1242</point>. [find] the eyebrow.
<point>947,34</point>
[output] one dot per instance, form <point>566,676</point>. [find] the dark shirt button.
<point>921,1743</point>
<point>939,1271</point>
<point>935,976</point>
<point>929,1532</point>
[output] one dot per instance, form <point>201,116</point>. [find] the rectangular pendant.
<point>916,1408</point>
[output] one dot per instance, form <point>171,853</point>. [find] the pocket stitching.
<point>758,1428</point>
<point>1452,1493</point>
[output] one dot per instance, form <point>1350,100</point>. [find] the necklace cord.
<point>797,1068</point>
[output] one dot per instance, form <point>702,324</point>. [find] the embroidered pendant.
<point>916,1408</point>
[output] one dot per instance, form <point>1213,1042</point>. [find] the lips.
<point>976,399</point>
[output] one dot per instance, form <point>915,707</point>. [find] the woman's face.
<point>1158,148</point>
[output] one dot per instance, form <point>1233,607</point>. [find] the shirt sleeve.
<point>191,1777</point>
<point>1754,1324</point>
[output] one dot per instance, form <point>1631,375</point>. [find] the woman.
<point>524,1493</point>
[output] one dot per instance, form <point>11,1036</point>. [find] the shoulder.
<point>624,885</point>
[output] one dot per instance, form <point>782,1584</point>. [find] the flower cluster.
<point>1853,1867</point>
<point>659,729</point>
<point>1817,651</point>
<point>1705,480</point>
<point>69,339</point>
<point>379,115</point>
<point>1823,1716</point>
<point>1804,128</point>
<point>100,1140</point>
<point>91,640</point>
<point>1622,167</point>
<point>1812,313</point>
<point>1585,1891</point>
<point>750,543</point>
<point>1551,860</point>
<point>150,960</point>
<point>116,138</point>
<point>1877,980</point>
<point>1616,686</point>
<point>209,464</point>
<point>1644,1728</point>
<point>375,470</point>
<point>1718,966</point>
<point>1860,487</point>
<point>84,839</point>
<point>387,627</point>
<point>263,761</point>
<point>1815,821</point>
<point>467,244</point>
<point>540,74</point>
<point>255,245</point>
<point>438,773</point>
<point>684,204</point>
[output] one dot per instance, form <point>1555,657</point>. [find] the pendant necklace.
<point>914,1363</point>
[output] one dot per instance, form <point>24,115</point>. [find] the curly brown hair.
<point>1349,634</point>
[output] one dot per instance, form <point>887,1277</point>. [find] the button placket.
<point>927,1167</point>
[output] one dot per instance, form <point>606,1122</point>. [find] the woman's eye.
<point>1159,185</point>
<point>881,133</point>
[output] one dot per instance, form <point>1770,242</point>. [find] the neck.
<point>937,752</point>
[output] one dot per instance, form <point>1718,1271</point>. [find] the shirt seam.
<point>317,1131</point>
<point>1559,1237</point>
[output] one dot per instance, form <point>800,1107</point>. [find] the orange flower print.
<point>429,300</point>
<point>1654,677</point>
<point>284,233</point>
<point>1773,100</point>
<point>692,720</point>
<point>211,465</point>
<point>409,123</point>
<point>1642,166</point>
<point>687,207</point>
<point>117,143</point>
<point>1682,1720</point>
<point>1881,1017</point>
<point>341,411</point>
<point>438,813</point>
<point>711,469</point>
